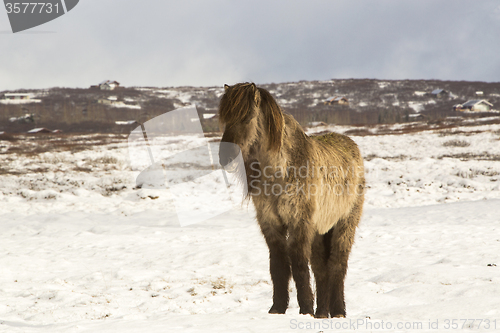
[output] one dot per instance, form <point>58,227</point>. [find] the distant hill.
<point>370,101</point>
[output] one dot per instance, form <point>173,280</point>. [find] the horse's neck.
<point>293,136</point>
<point>274,159</point>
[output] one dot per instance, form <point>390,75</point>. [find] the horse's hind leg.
<point>299,247</point>
<point>341,244</point>
<point>320,256</point>
<point>275,237</point>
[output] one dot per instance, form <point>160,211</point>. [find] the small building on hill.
<point>340,100</point>
<point>18,98</point>
<point>439,93</point>
<point>475,105</point>
<point>15,96</point>
<point>106,85</point>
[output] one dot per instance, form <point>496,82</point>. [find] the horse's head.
<point>249,116</point>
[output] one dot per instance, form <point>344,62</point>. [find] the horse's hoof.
<point>277,310</point>
<point>338,315</point>
<point>307,312</point>
<point>321,315</point>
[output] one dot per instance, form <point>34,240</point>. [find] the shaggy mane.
<point>237,102</point>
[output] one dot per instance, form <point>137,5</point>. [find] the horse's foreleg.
<point>299,247</point>
<point>279,265</point>
<point>320,256</point>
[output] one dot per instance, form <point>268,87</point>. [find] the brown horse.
<point>308,193</point>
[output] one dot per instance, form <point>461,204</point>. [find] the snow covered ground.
<point>20,101</point>
<point>82,250</point>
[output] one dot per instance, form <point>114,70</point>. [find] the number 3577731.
<point>31,8</point>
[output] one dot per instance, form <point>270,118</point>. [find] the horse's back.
<point>341,144</point>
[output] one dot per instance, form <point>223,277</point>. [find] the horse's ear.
<point>256,96</point>
<point>226,87</point>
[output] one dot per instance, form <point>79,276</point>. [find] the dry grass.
<point>397,158</point>
<point>35,148</point>
<point>32,145</point>
<point>456,143</point>
<point>497,132</point>
<point>82,169</point>
<point>111,189</point>
<point>472,173</point>
<point>219,283</point>
<point>8,137</point>
<point>52,159</point>
<point>38,170</point>
<point>4,171</point>
<point>103,160</point>
<point>404,129</point>
<point>457,132</point>
<point>443,128</point>
<point>357,132</point>
<point>469,156</point>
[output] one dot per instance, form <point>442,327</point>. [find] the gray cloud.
<point>166,43</point>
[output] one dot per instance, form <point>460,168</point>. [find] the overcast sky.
<point>205,42</point>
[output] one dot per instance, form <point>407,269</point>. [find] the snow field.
<point>81,250</point>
